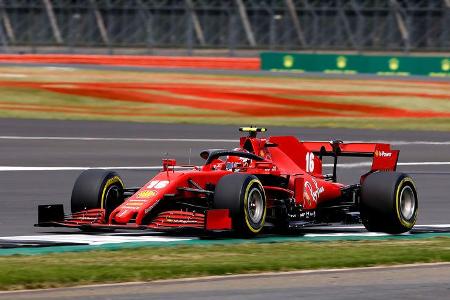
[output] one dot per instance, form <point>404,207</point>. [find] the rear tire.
<point>244,196</point>
<point>389,202</point>
<point>96,188</point>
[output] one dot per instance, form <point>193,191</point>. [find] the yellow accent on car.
<point>146,194</point>
<point>252,129</point>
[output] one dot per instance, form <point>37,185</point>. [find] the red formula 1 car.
<point>275,182</point>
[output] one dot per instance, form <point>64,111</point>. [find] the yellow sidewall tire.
<point>246,216</point>
<point>407,223</point>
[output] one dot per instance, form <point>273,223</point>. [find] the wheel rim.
<point>255,205</point>
<point>111,197</point>
<point>407,202</point>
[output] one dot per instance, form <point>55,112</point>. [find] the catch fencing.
<point>144,26</point>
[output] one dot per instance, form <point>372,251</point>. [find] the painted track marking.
<point>157,168</point>
<point>114,238</point>
<point>74,138</point>
<point>68,138</point>
<point>20,168</point>
<point>93,239</point>
<point>368,164</point>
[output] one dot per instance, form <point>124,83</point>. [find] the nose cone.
<point>136,205</point>
<point>124,216</point>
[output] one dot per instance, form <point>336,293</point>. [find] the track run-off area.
<point>93,92</point>
<point>40,160</point>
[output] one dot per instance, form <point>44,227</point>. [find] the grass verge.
<point>432,124</point>
<point>73,94</point>
<point>143,264</point>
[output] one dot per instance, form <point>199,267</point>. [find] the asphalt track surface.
<point>75,144</point>
<point>26,143</point>
<point>406,282</point>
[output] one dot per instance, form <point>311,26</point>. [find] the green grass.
<point>36,96</point>
<point>46,99</point>
<point>143,264</point>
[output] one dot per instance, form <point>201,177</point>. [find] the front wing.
<point>213,219</point>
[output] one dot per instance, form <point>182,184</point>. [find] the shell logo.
<point>341,62</point>
<point>288,61</point>
<point>381,153</point>
<point>445,65</point>
<point>394,64</point>
<point>146,194</point>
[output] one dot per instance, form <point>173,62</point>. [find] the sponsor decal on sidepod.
<point>314,192</point>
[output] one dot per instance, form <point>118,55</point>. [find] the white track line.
<point>69,138</point>
<point>399,143</point>
<point>92,239</point>
<point>425,163</point>
<point>417,226</point>
<point>368,164</point>
<point>113,238</point>
<point>74,138</point>
<point>157,168</point>
<point>417,143</point>
<point>19,168</point>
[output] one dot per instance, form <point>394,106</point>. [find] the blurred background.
<point>225,27</point>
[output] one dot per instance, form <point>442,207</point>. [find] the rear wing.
<point>384,158</point>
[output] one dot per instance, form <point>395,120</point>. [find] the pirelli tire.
<point>244,196</point>
<point>97,188</point>
<point>389,202</point>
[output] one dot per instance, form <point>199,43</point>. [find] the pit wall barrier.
<point>382,65</point>
<point>224,63</point>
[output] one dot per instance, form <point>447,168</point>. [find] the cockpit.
<point>232,160</point>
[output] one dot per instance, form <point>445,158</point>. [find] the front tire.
<point>244,196</point>
<point>96,188</point>
<point>389,202</point>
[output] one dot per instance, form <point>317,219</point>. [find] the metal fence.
<point>146,25</point>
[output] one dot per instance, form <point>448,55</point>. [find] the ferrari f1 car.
<point>274,182</point>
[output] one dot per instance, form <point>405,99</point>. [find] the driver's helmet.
<point>234,163</point>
